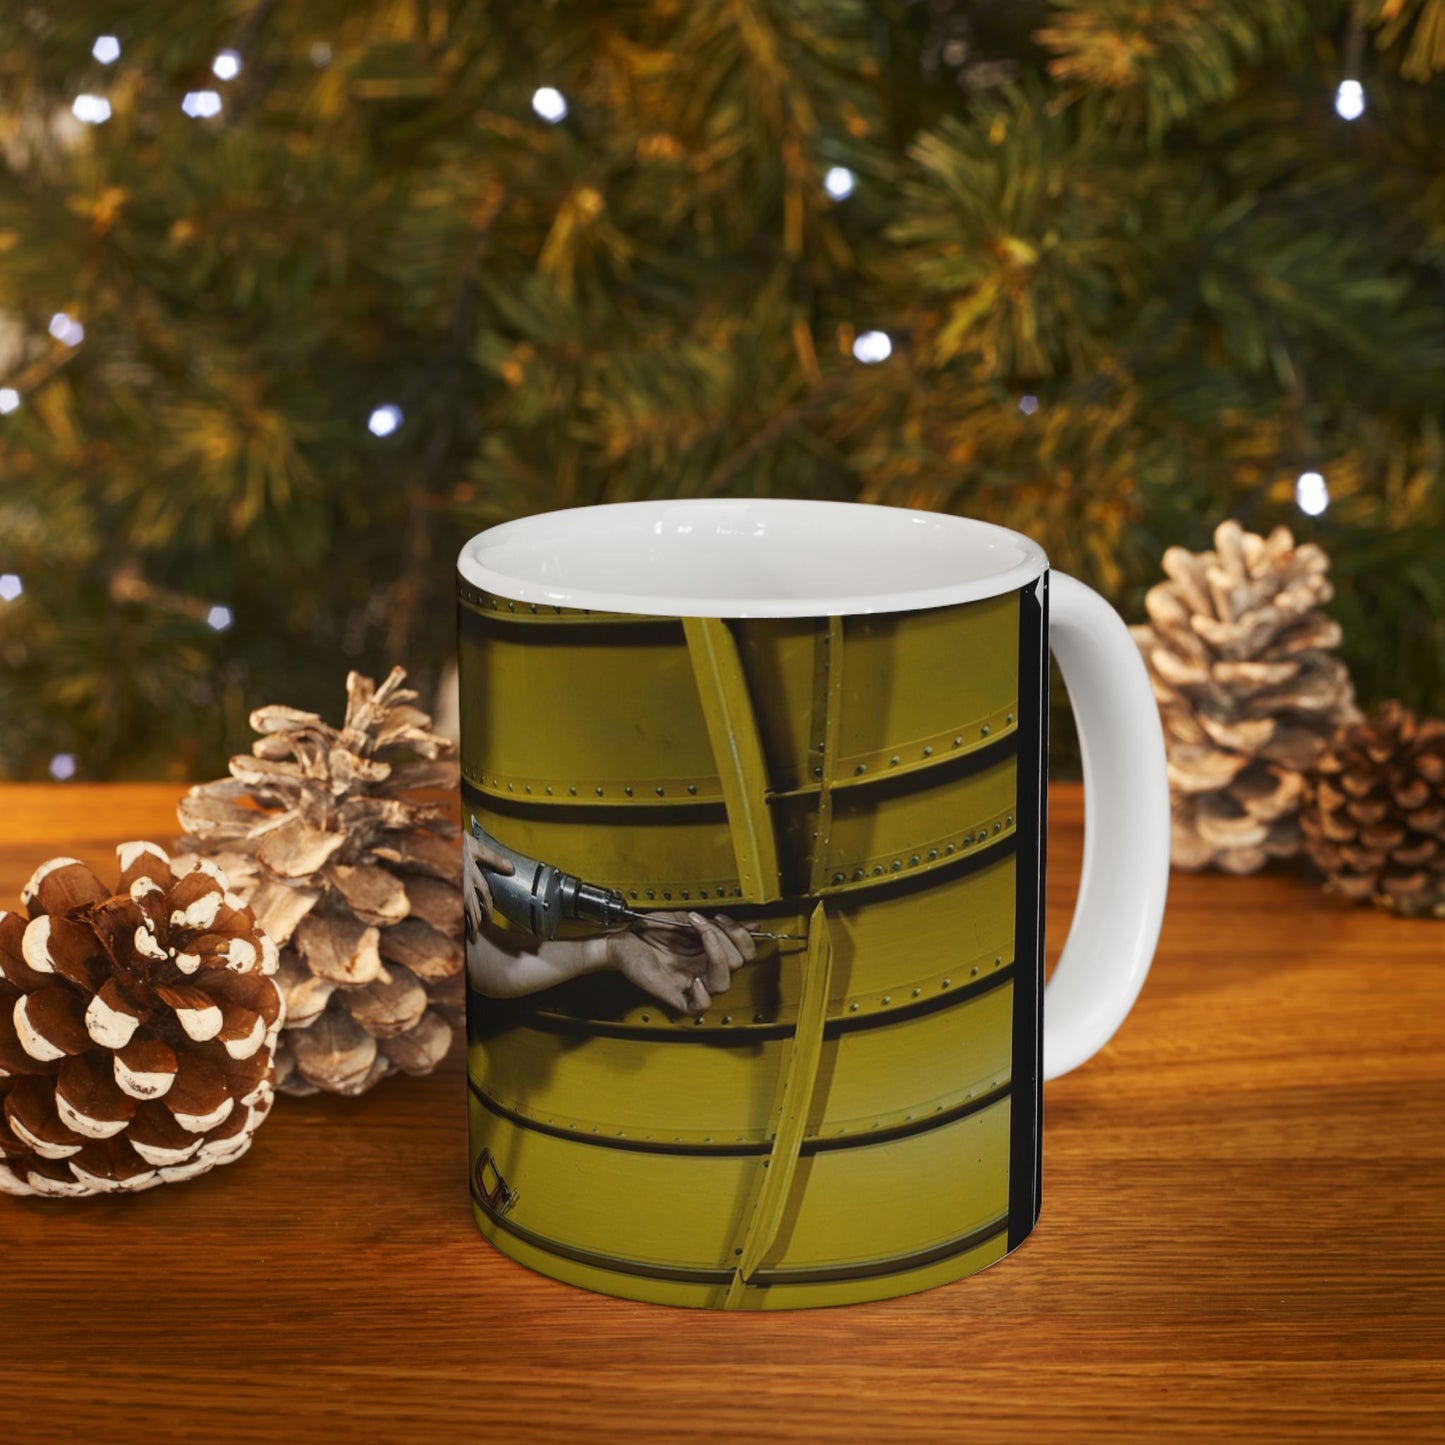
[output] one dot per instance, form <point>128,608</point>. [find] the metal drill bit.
<point>653,921</point>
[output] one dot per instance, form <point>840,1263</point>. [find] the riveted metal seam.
<point>976,735</point>
<point>616,1263</point>
<point>820,1274</point>
<point>897,1264</point>
<point>614,792</point>
<point>738,752</point>
<point>994,833</point>
<point>941,994</point>
<point>579,1131</point>
<point>917,1120</point>
<point>800,1078</point>
<point>827,697</point>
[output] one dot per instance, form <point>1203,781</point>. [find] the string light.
<point>1350,100</point>
<point>9,400</point>
<point>1028,405</point>
<point>91,109</point>
<point>202,104</point>
<point>62,767</point>
<point>10,587</point>
<point>384,420</point>
<point>219,617</point>
<point>1311,493</point>
<point>872,347</point>
<point>839,183</point>
<point>321,54</point>
<point>106,49</point>
<point>227,65</point>
<point>550,104</point>
<point>67,329</point>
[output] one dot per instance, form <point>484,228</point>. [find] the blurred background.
<point>294,298</point>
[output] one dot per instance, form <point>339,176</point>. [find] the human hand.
<point>476,892</point>
<point>684,970</point>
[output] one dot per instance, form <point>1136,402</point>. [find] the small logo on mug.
<point>494,1191</point>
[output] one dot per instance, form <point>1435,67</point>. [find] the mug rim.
<point>483,560</point>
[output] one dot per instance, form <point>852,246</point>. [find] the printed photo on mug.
<point>754,948</point>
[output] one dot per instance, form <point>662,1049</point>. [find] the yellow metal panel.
<point>656,1090</point>
<point>957,926</point>
<point>558,707</point>
<point>593,1276</point>
<point>784,1295</point>
<point>649,1208</point>
<point>900,825</point>
<point>890,1076</point>
<point>899,1196</point>
<point>780,658</point>
<point>658,856</point>
<point>774,1296</point>
<point>916,680</point>
<point>847,1206</point>
<point>723,1089</point>
<point>737,753</point>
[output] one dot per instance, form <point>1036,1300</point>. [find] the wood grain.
<point>1241,1238</point>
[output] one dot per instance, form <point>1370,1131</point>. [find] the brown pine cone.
<point>1376,822</point>
<point>1240,656</point>
<point>136,1027</point>
<point>357,881</point>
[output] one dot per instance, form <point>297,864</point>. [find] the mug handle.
<point>1126,827</point>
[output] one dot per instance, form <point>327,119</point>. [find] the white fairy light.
<point>872,347</point>
<point>1311,493</point>
<point>9,400</point>
<point>550,104</point>
<point>1028,405</point>
<point>10,587</point>
<point>62,767</point>
<point>227,65</point>
<point>320,54</point>
<point>201,104</point>
<point>90,109</point>
<point>66,328</point>
<point>1350,100</point>
<point>384,420</point>
<point>106,49</point>
<point>839,183</point>
<point>219,617</point>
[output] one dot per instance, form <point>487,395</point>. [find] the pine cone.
<point>1249,692</point>
<point>136,1027</point>
<point>358,883</point>
<point>1376,822</point>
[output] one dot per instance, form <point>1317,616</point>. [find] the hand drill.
<point>537,897</point>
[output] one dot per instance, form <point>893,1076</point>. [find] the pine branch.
<point>1163,61</point>
<point>1424,20</point>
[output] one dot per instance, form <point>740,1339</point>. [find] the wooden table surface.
<point>1243,1238</point>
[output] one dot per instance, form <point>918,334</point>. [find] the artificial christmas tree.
<point>354,876</point>
<point>137,1025</point>
<point>276,338</point>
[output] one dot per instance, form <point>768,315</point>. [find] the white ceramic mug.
<point>755,793</point>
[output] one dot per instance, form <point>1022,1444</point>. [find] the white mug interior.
<point>749,557</point>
